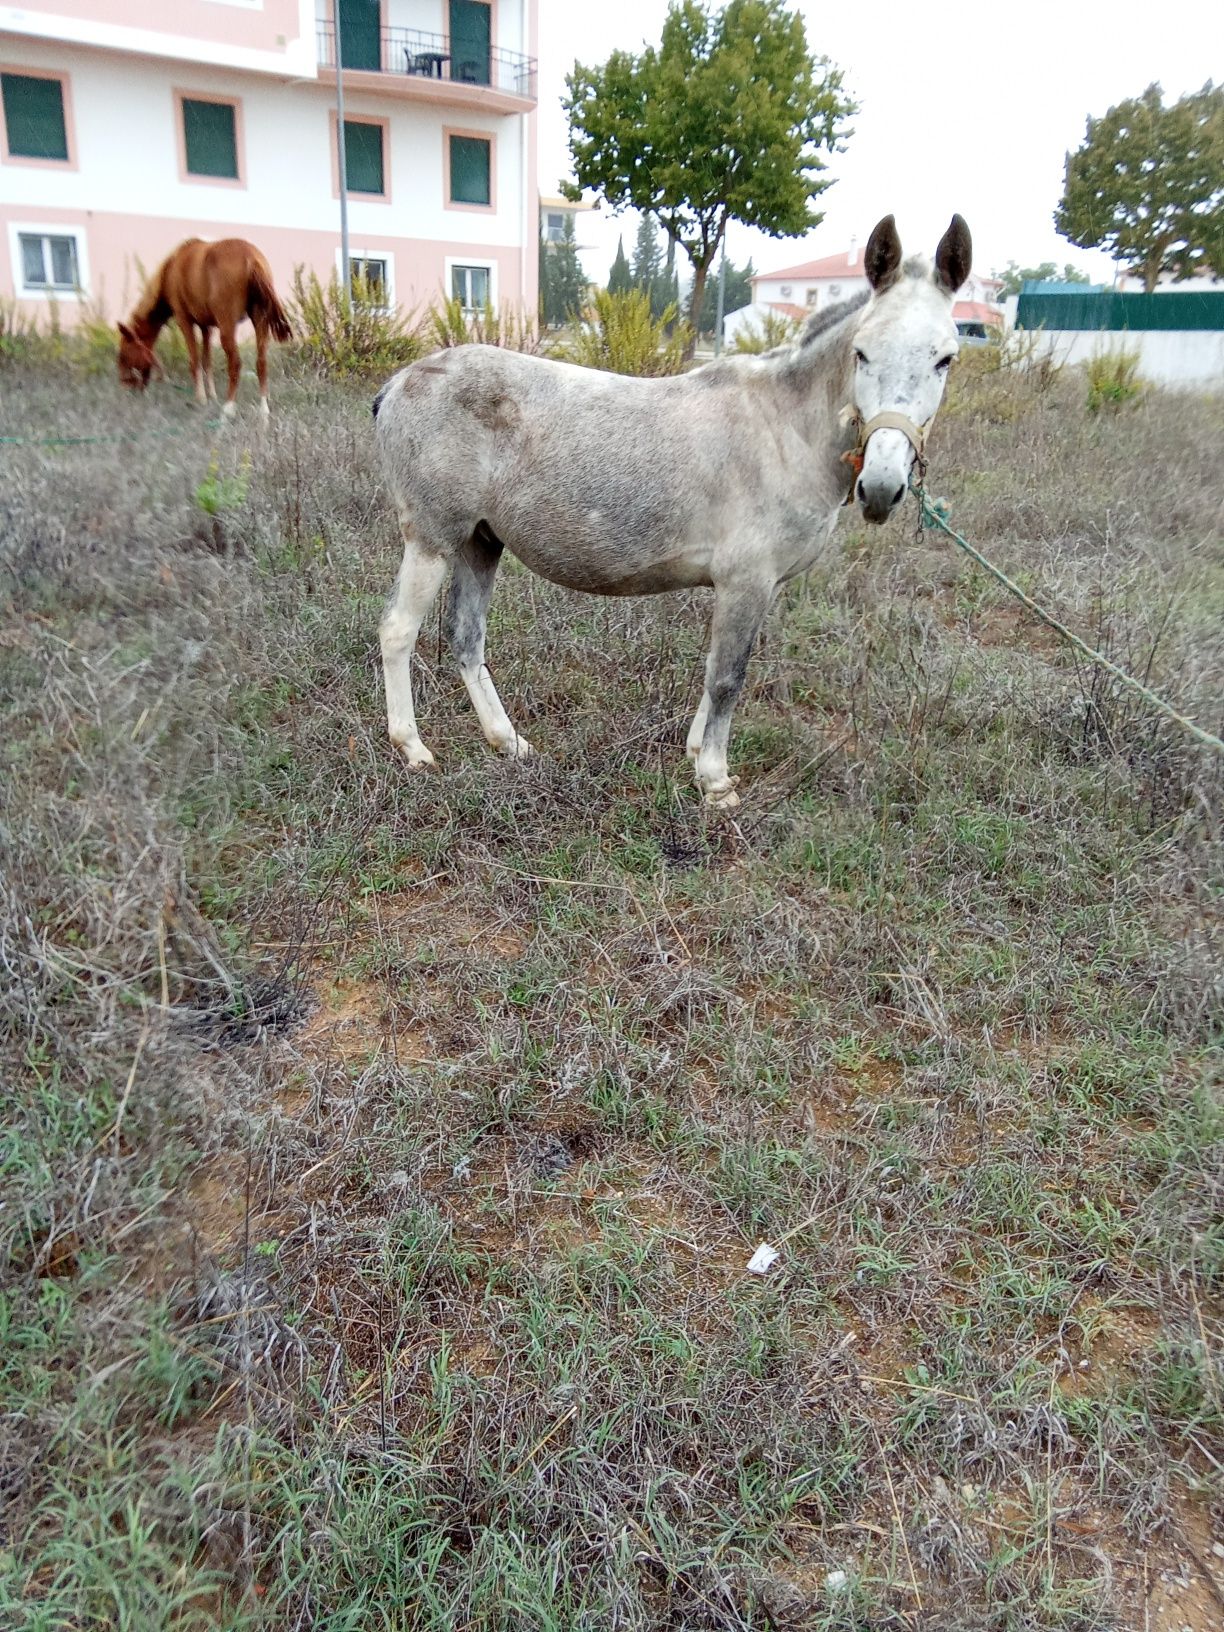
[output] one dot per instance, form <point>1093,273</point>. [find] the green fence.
<point>1110,310</point>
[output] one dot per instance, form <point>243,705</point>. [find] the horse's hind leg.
<point>210,385</point>
<point>261,366</point>
<point>420,579</point>
<point>467,607</point>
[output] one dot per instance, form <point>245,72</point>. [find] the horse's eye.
<point>945,362</point>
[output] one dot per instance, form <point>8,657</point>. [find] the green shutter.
<point>469,170</point>
<point>363,158</point>
<point>211,142</point>
<point>470,39</point>
<point>34,117</point>
<point>360,27</point>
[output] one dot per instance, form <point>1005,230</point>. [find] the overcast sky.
<point>967,107</point>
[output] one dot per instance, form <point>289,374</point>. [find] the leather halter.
<point>915,435</point>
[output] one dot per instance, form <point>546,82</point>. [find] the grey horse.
<point>729,477</point>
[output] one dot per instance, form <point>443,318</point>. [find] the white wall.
<point>1166,356</point>
<point>124,114</point>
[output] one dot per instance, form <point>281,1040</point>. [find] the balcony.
<point>416,64</point>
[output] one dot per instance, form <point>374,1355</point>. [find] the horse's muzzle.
<point>879,498</point>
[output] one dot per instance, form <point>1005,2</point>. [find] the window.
<point>373,269</point>
<point>34,123</point>
<point>363,158</point>
<point>470,170</point>
<point>210,139</point>
<point>471,285</point>
<point>49,261</point>
<point>813,295</point>
<point>554,227</point>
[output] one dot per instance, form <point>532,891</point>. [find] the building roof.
<point>553,203</point>
<point>976,311</point>
<point>796,313</point>
<point>849,264</point>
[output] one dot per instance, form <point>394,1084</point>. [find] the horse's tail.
<point>262,302</point>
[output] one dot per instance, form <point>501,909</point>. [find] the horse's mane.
<point>821,322</point>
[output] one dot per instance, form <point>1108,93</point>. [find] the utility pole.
<point>721,302</point>
<point>346,276</point>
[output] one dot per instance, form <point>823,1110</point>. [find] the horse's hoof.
<point>415,755</point>
<point>518,748</point>
<point>723,798</point>
<point>229,411</point>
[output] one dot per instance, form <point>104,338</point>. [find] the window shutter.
<point>34,117</point>
<point>360,29</point>
<point>210,139</point>
<point>363,158</point>
<point>470,41</point>
<point>469,170</point>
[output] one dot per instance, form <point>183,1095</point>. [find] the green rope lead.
<point>115,436</point>
<point>935,512</point>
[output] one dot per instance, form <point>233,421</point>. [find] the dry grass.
<point>384,1154</point>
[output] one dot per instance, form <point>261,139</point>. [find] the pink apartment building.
<point>128,125</point>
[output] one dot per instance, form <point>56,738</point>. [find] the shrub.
<point>18,332</point>
<point>1112,379</point>
<point>452,324</point>
<point>1002,380</point>
<point>350,332</point>
<point>774,330</point>
<point>618,334</point>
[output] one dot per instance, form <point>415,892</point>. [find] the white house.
<point>797,291</point>
<point>127,127</point>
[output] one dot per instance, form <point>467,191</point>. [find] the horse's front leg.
<point>739,612</point>
<point>193,356</point>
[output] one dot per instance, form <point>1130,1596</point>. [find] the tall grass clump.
<point>774,330</point>
<point>454,324</point>
<point>1113,380</point>
<point>618,334</point>
<point>350,333</point>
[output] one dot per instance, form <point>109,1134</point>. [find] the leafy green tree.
<point>563,286</point>
<point>738,293</point>
<point>619,279</point>
<point>1148,185</point>
<point>1013,276</point>
<point>726,120</point>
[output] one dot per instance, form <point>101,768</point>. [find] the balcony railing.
<point>409,51</point>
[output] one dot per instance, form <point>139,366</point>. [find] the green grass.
<point>384,1154</point>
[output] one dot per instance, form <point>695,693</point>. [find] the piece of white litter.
<point>763,1259</point>
<point>462,1168</point>
<point>836,1580</point>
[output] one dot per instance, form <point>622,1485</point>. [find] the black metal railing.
<point>428,56</point>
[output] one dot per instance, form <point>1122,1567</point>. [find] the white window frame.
<point>44,229</point>
<point>357,253</point>
<point>554,235</point>
<point>452,261</point>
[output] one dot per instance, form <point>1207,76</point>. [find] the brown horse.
<point>205,286</point>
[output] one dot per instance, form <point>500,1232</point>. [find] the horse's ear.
<point>125,333</point>
<point>954,257</point>
<point>882,257</point>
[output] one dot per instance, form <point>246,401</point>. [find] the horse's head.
<point>137,360</point>
<point>902,349</point>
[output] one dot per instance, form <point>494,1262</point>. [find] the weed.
<point>1113,379</point>
<point>618,333</point>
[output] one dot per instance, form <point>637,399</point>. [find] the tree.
<point>738,293</point>
<point>646,268</point>
<point>1148,185</point>
<point>1013,276</point>
<point>726,120</point>
<point>619,280</point>
<point>563,287</point>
